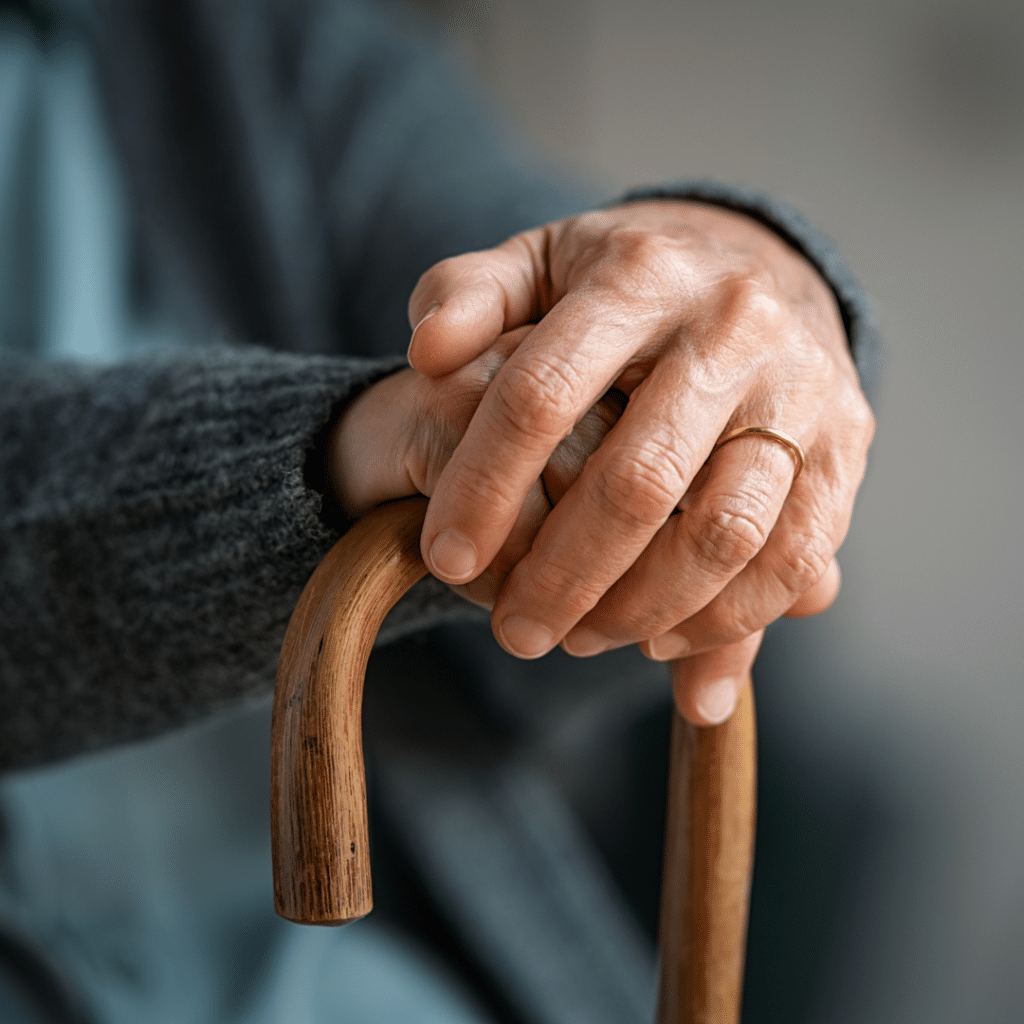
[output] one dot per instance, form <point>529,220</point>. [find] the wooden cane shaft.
<point>319,830</point>
<point>709,850</point>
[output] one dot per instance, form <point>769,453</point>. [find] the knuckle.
<point>729,622</point>
<point>813,361</point>
<point>803,563</point>
<point>753,303</point>
<point>640,487</point>
<point>644,248</point>
<point>839,457</point>
<point>749,326</point>
<point>726,538</point>
<point>638,264</point>
<point>537,399</point>
<point>862,420</point>
<point>556,585</point>
<point>651,622</point>
<point>490,496</point>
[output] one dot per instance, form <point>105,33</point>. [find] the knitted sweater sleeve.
<point>155,532</point>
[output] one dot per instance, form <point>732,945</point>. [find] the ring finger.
<point>724,522</point>
<point>797,558</point>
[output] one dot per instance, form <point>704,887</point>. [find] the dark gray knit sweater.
<point>292,169</point>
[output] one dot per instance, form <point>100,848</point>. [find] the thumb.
<point>463,304</point>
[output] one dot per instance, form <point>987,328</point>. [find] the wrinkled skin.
<point>592,364</point>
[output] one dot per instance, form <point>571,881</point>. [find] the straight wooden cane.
<point>318,787</point>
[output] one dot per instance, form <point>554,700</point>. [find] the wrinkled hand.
<point>707,321</point>
<point>395,439</point>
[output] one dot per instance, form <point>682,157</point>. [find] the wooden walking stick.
<point>318,786</point>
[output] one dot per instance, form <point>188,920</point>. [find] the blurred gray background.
<point>897,127</point>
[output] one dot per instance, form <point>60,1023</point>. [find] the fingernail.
<point>426,316</point>
<point>716,701</point>
<point>667,647</point>
<point>585,643</point>
<point>453,556</point>
<point>525,638</point>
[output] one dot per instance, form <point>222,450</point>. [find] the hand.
<point>395,439</point>
<point>707,321</point>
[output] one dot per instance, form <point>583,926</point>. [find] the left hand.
<point>708,321</point>
<point>394,440</point>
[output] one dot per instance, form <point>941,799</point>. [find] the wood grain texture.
<point>318,785</point>
<point>709,854</point>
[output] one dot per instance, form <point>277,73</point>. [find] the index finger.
<point>536,399</point>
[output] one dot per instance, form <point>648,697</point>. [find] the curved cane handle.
<point>318,786</point>
<point>318,822</point>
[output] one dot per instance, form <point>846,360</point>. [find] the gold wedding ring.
<point>772,434</point>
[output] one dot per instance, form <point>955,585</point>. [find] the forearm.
<point>156,529</point>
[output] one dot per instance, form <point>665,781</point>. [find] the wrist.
<point>366,448</point>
